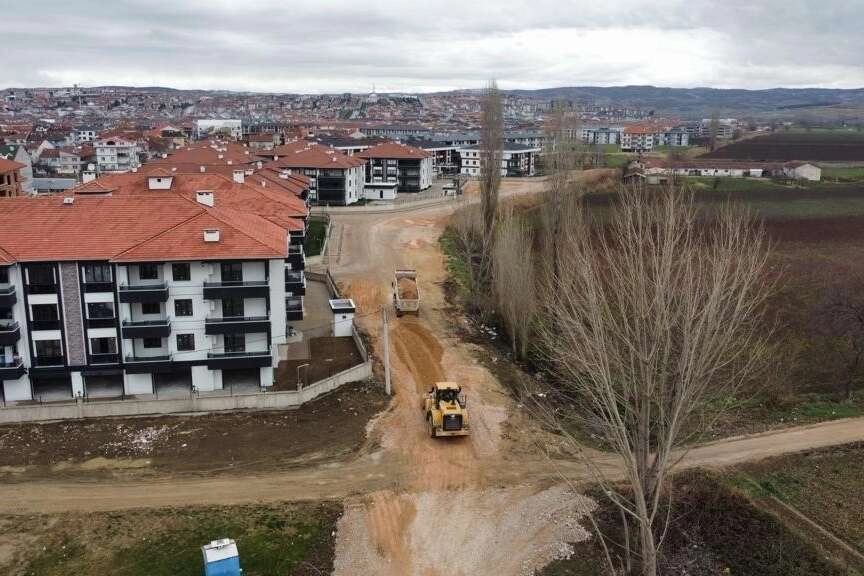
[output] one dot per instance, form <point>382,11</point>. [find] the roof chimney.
<point>220,156</point>
<point>205,197</point>
<point>69,200</point>
<point>203,168</point>
<point>239,176</point>
<point>211,235</point>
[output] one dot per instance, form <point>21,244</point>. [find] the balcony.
<point>296,237</point>
<point>231,360</point>
<point>147,364</point>
<point>10,332</point>
<point>42,288</point>
<point>296,257</point>
<point>294,309</point>
<point>148,329</point>
<point>103,359</point>
<point>240,289</point>
<point>12,370</point>
<point>98,287</point>
<point>8,298</point>
<point>44,325</point>
<point>101,322</point>
<point>143,293</point>
<point>295,283</point>
<point>236,325</point>
<point>48,362</point>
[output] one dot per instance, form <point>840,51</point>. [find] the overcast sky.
<point>419,45</point>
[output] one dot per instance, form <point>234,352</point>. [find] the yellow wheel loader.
<point>446,414</point>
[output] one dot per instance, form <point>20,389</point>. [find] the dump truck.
<point>445,409</point>
<point>406,292</point>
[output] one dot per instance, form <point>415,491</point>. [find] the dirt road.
<point>409,498</point>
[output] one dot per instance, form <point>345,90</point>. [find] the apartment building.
<point>393,167</point>
<point>116,155</point>
<point>334,178</point>
<point>10,178</point>
<point>143,296</point>
<point>516,160</point>
<point>59,161</point>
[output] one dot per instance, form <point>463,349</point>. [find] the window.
<point>48,348</point>
<point>94,273</point>
<point>185,342</point>
<point>232,307</point>
<point>100,310</point>
<point>150,308</point>
<point>148,271</point>
<point>103,345</point>
<point>44,312</point>
<point>4,275</point>
<point>183,307</point>
<point>40,274</point>
<point>232,272</point>
<point>235,343</point>
<point>181,272</point>
<point>152,342</point>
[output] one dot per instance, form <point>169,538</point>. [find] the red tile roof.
<point>7,166</point>
<point>131,228</point>
<point>316,157</point>
<point>395,150</point>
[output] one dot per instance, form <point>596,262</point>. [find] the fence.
<point>193,404</point>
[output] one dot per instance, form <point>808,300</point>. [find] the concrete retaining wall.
<point>257,401</point>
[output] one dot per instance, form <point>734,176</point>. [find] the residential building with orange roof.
<point>152,290</point>
<point>10,178</point>
<point>393,168</point>
<point>334,178</point>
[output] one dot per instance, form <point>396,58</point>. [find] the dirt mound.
<point>437,533</point>
<point>407,288</point>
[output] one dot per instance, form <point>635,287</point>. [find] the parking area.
<point>104,386</point>
<point>52,389</point>
<point>173,385</point>
<point>241,381</point>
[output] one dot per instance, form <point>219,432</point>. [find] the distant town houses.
<point>660,171</point>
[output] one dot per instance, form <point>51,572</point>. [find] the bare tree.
<point>656,317</point>
<point>841,325</point>
<point>713,129</point>
<point>561,157</point>
<point>491,154</point>
<point>513,279</point>
<point>467,228</point>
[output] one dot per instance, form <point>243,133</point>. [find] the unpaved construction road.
<point>488,504</point>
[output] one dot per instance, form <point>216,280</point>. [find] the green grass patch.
<point>823,484</point>
<point>272,540</point>
<point>457,267</point>
<point>845,174</point>
<point>316,233</point>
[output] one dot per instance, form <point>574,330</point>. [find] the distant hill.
<point>701,102</point>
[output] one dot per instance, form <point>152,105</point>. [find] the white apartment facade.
<point>121,326</point>
<point>116,155</point>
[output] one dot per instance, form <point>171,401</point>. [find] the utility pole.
<point>386,351</point>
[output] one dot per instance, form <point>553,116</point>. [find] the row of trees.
<point>647,318</point>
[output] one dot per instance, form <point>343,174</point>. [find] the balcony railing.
<point>42,288</point>
<point>236,324</point>
<point>48,361</point>
<point>103,359</point>
<point>98,286</point>
<point>228,289</point>
<point>295,282</point>
<point>143,293</point>
<point>11,369</point>
<point>294,309</point>
<point>146,329</point>
<point>10,332</point>
<point>7,296</point>
<point>246,359</point>
<point>132,359</point>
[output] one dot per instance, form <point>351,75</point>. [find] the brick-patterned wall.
<point>73,323</point>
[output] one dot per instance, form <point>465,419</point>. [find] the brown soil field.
<point>326,428</point>
<point>781,147</point>
<point>330,355</point>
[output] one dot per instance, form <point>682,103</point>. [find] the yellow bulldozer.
<point>446,414</point>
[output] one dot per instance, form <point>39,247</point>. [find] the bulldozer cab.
<point>448,392</point>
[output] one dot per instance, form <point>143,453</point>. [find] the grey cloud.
<point>309,45</point>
